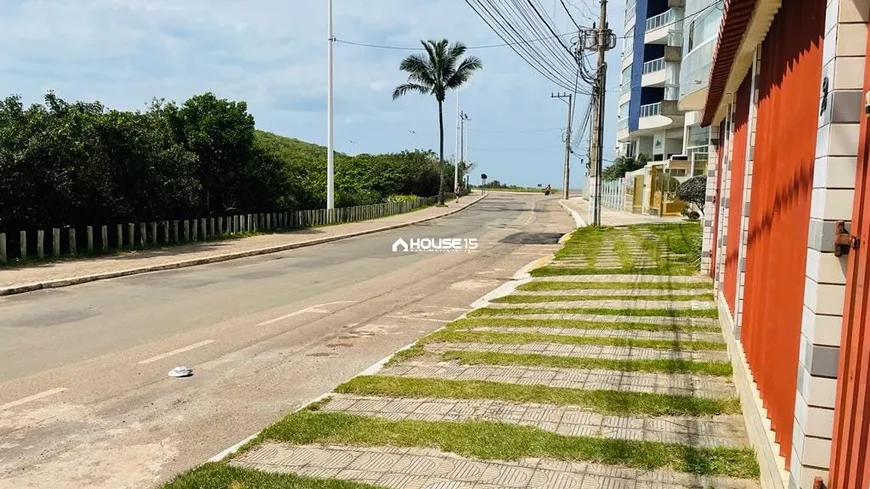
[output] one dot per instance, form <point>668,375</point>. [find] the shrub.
<point>694,191</point>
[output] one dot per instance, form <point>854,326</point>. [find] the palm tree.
<point>433,73</point>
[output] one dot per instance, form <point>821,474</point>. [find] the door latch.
<point>843,241</point>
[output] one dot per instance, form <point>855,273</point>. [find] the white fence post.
<point>55,241</point>
<point>89,230</point>
<point>40,244</point>
<point>22,236</point>
<point>3,257</point>
<point>104,236</point>
<point>72,242</point>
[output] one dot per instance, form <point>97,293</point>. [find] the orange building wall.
<point>788,112</point>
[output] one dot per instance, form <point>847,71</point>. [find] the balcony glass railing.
<point>630,10</point>
<point>650,110</point>
<point>654,65</point>
<point>660,20</point>
<point>622,124</point>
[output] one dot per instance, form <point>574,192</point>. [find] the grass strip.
<point>621,251</point>
<point>585,243</point>
<point>602,401</point>
<point>556,271</point>
<point>489,440</point>
<point>533,299</point>
<point>711,313</point>
<point>216,475</point>
<point>562,285</point>
<point>498,338</point>
<point>475,322</point>
<point>718,369</point>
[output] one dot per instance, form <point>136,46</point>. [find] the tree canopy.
<point>623,165</point>
<point>80,163</point>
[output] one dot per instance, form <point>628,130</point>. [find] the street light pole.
<point>330,153</point>
<point>413,138</point>
<point>463,117</point>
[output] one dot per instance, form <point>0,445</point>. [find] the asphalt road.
<point>85,400</point>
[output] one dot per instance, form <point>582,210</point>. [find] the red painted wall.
<point>735,195</point>
<point>788,112</point>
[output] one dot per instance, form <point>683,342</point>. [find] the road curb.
<point>578,221</point>
<point>54,284</point>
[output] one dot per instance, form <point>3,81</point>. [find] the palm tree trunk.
<point>441,151</point>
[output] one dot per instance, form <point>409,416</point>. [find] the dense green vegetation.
<point>80,163</point>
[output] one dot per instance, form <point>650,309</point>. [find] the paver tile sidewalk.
<point>610,217</point>
<point>11,277</point>
<point>550,401</point>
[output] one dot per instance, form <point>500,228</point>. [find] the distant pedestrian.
<point>457,191</point>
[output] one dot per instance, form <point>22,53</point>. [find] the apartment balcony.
<point>665,28</point>
<point>622,133</point>
<point>654,73</point>
<point>627,58</point>
<point>658,116</point>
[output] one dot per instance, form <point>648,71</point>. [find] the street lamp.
<point>413,138</point>
<point>330,153</point>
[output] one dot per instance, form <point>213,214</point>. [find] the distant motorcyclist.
<point>547,190</point>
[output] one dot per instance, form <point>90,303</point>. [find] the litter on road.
<point>181,372</point>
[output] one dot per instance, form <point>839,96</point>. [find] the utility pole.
<point>463,118</point>
<point>566,171</point>
<point>458,154</point>
<point>330,153</point>
<point>600,40</point>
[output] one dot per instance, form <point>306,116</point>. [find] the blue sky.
<point>272,54</point>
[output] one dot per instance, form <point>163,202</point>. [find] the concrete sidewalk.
<point>77,271</point>
<point>610,217</point>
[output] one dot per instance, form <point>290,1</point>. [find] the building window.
<point>691,45</point>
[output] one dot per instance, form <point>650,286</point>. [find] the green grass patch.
<point>584,243</point>
<point>502,441</point>
<point>475,322</point>
<point>557,271</point>
<point>221,476</point>
<point>602,401</point>
<point>534,299</point>
<point>603,311</point>
<point>493,337</point>
<point>718,369</point>
<point>557,285</point>
<point>622,253</point>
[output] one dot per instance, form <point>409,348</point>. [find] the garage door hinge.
<point>843,241</point>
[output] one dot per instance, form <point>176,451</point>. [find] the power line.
<point>470,48</point>
<point>517,130</point>
<point>716,4</point>
<point>514,24</point>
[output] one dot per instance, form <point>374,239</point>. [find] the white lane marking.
<point>176,352</point>
<point>35,397</point>
<point>316,309</point>
<point>415,318</point>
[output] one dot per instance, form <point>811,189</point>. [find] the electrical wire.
<point>507,20</point>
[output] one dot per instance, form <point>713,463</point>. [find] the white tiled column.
<point>725,192</point>
<point>833,191</point>
<point>747,194</point>
<point>709,205</point>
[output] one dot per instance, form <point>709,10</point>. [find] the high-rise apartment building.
<point>667,54</point>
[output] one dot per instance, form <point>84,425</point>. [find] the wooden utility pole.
<point>567,170</point>
<point>600,40</point>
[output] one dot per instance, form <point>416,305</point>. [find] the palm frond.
<point>419,69</point>
<point>410,87</point>
<point>464,71</point>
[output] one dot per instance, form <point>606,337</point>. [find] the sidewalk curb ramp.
<point>54,284</point>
